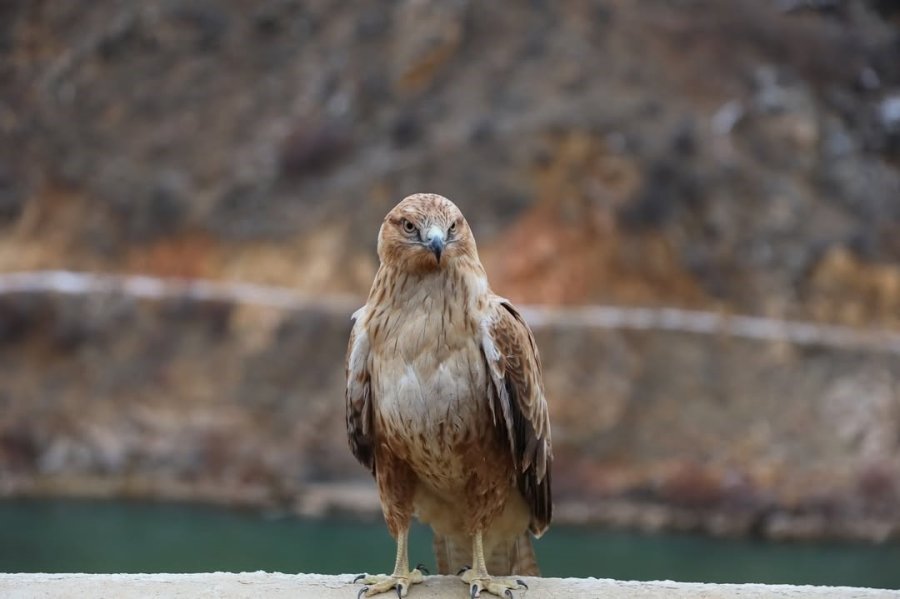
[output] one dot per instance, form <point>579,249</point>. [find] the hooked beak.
<point>436,242</point>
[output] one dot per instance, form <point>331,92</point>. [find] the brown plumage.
<point>445,403</point>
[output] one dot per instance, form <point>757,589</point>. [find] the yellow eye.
<point>408,226</point>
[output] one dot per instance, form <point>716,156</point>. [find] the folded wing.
<point>519,406</point>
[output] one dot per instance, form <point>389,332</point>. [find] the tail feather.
<point>441,553</point>
<point>524,560</point>
<point>515,556</point>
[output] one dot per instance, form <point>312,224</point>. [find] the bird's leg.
<point>478,579</point>
<point>401,579</point>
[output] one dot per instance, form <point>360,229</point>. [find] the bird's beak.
<point>436,242</point>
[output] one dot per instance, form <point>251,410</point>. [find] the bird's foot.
<point>382,583</point>
<point>482,581</point>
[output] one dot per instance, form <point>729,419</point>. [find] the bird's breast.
<point>437,389</point>
<point>431,395</point>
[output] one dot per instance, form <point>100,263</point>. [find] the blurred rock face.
<point>702,153</point>
<point>739,155</point>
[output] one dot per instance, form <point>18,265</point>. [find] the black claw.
<point>521,583</point>
<point>509,594</point>
<point>359,577</point>
<point>422,568</point>
<point>473,591</point>
<point>361,591</point>
<point>464,568</point>
<point>399,589</point>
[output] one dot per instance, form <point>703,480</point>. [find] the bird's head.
<point>425,232</point>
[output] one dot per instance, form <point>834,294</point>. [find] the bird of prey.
<point>446,407</point>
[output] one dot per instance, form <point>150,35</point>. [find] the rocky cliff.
<point>740,157</point>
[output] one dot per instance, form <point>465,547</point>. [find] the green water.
<point>86,536</point>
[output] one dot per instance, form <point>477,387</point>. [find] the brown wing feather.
<point>515,367</point>
<point>358,396</point>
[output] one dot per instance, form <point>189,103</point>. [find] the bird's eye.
<point>452,228</point>
<point>408,226</point>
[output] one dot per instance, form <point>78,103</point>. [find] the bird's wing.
<point>518,404</point>
<point>358,394</point>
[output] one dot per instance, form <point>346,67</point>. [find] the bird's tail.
<point>515,556</point>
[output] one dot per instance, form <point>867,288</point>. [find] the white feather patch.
<point>359,351</point>
<point>493,359</point>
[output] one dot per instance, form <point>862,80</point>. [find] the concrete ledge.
<point>275,586</point>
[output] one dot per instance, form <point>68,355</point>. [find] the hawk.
<point>445,405</point>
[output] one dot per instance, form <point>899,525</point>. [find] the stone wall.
<point>253,584</point>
